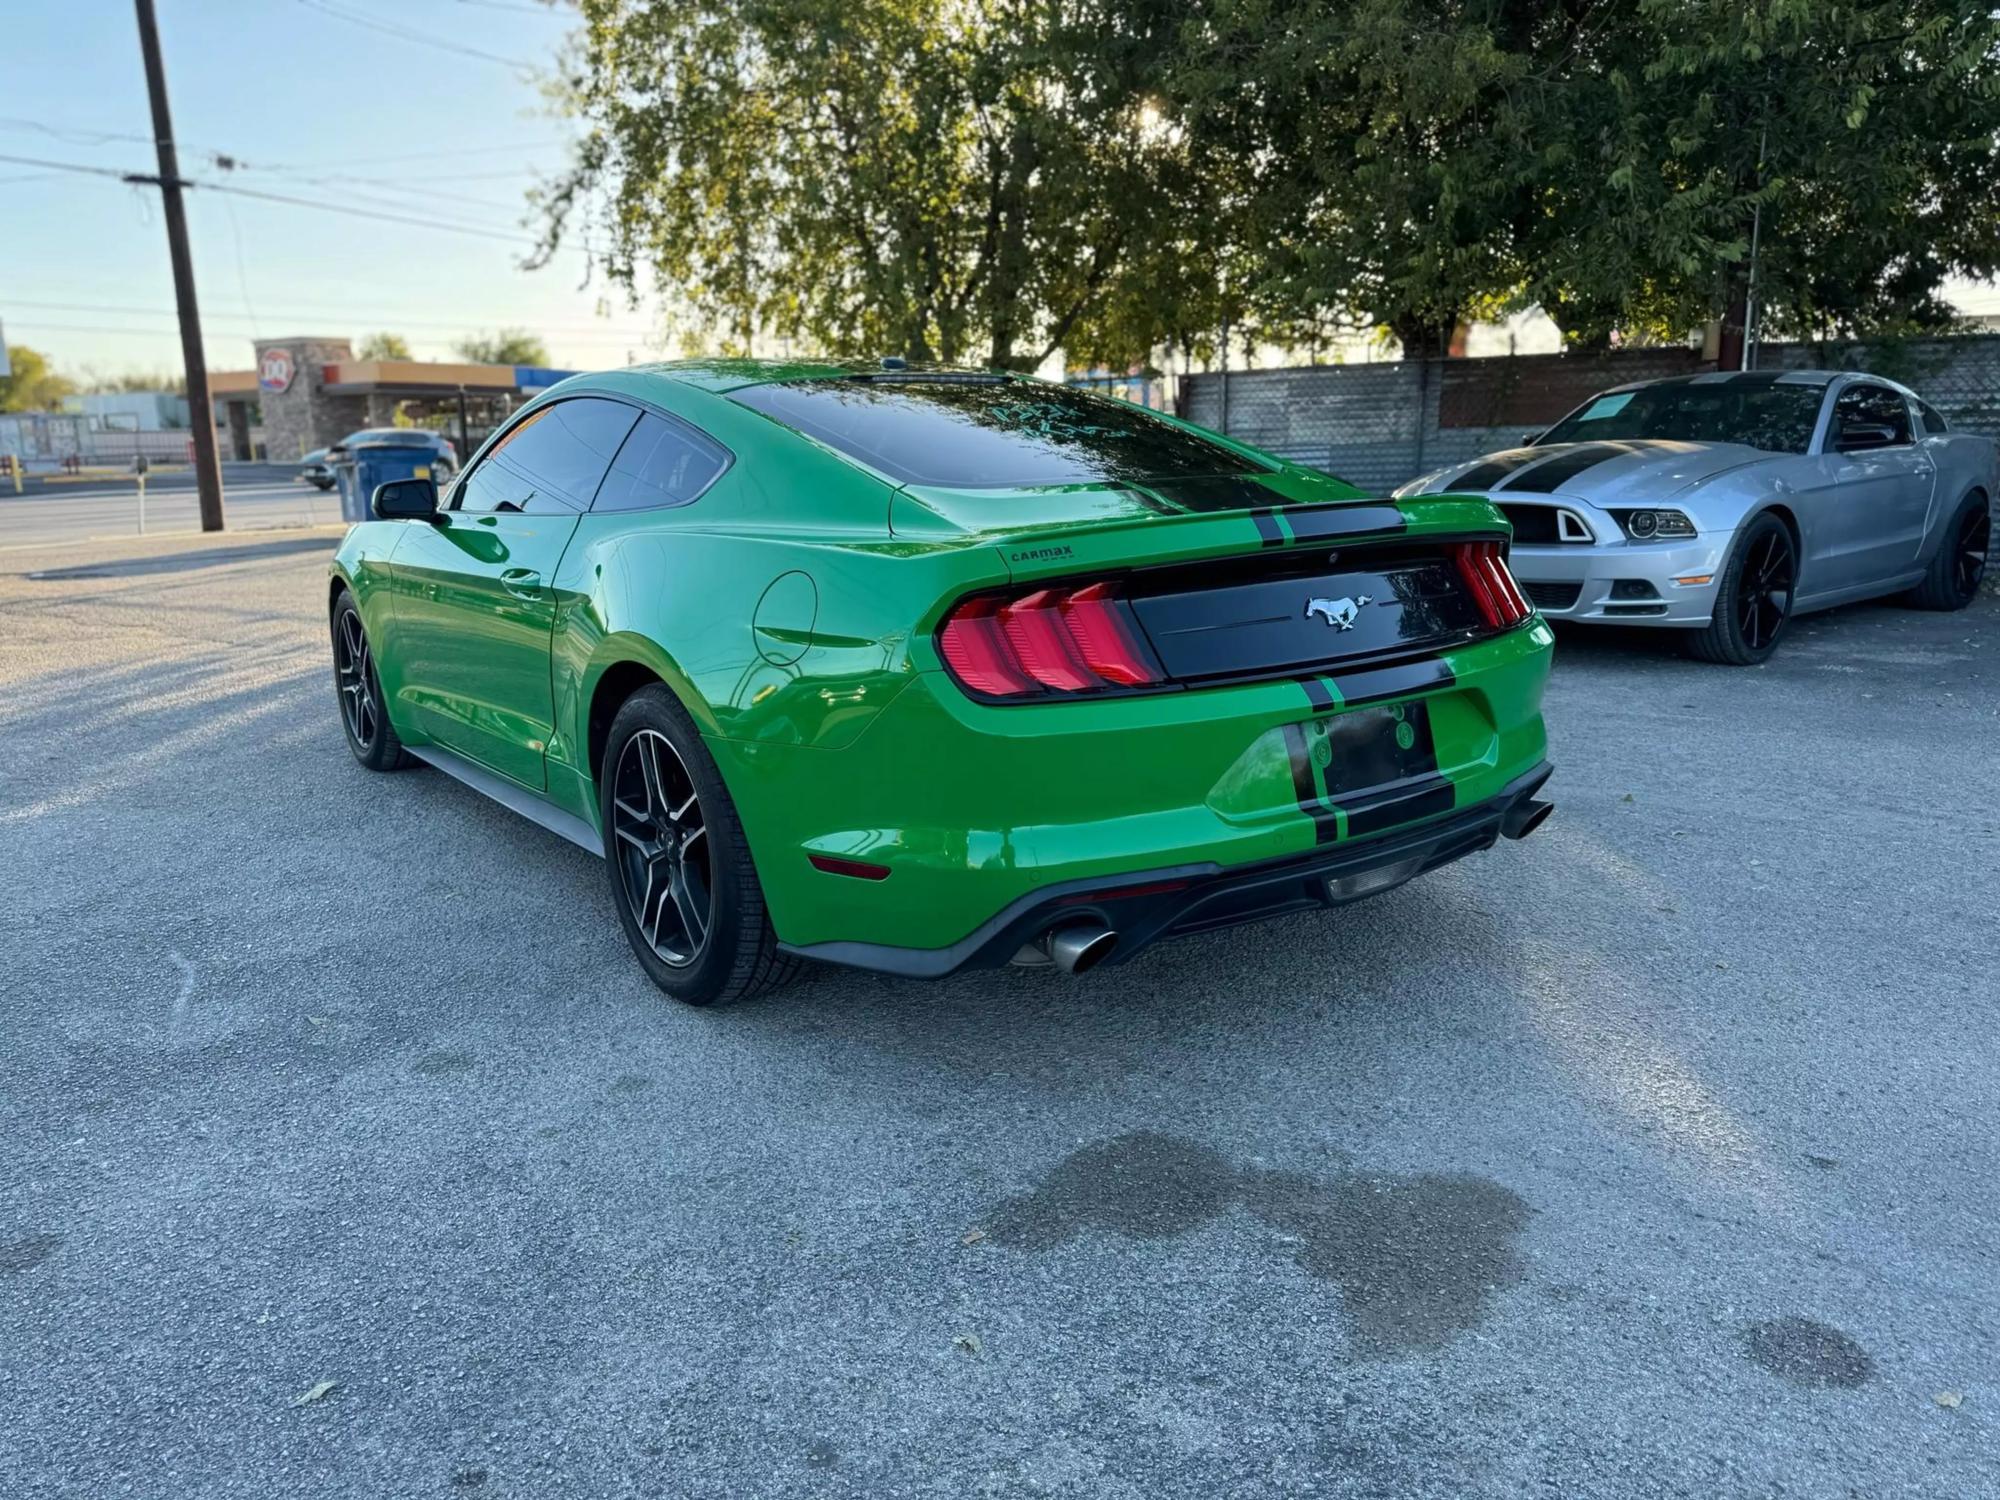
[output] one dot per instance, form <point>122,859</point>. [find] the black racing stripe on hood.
<point>1483,476</point>
<point>1543,478</point>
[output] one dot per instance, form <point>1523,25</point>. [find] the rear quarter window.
<point>991,433</point>
<point>662,463</point>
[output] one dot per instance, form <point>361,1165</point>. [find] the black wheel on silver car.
<point>370,735</point>
<point>1753,600</point>
<point>681,871</point>
<point>1960,564</point>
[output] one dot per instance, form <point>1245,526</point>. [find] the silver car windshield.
<point>1776,418</point>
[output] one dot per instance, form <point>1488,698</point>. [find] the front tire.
<point>1953,579</point>
<point>370,735</point>
<point>681,873</point>
<point>1753,602</point>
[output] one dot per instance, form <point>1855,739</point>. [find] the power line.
<point>239,329</point>
<point>404,33</point>
<point>67,166</point>
<point>353,212</point>
<point>70,135</point>
<point>431,155</point>
<point>531,10</point>
<point>312,310</point>
<point>350,210</point>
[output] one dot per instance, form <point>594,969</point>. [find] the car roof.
<point>1817,379</point>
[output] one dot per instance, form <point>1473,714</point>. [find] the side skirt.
<point>513,797</point>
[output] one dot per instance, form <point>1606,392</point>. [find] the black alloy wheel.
<point>1753,603</point>
<point>1960,565</point>
<point>355,664</point>
<point>370,735</point>
<point>664,856</point>
<point>682,877</point>
<point>1764,594</point>
<point>1975,537</point>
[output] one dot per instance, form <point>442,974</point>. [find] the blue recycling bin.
<point>369,464</point>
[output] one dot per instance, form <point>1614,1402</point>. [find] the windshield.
<point>971,432</point>
<point>1776,418</point>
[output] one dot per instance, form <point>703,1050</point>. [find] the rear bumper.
<point>1145,906</point>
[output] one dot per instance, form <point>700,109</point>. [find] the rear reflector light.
<point>1066,639</point>
<point>1484,573</point>
<point>860,869</point>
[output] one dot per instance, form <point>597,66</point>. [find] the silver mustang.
<point>1725,504</point>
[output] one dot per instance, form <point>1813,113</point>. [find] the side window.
<point>1875,404</point>
<point>553,460</point>
<point>1934,422</point>
<point>662,463</point>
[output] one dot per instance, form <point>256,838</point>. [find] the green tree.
<point>869,176</point>
<point>34,385</point>
<point>510,346</point>
<point>394,346</point>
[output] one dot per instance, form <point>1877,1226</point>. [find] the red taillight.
<point>1051,640</point>
<point>1484,572</point>
<point>1042,643</point>
<point>975,648</point>
<point>1097,623</point>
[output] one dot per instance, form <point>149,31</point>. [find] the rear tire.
<point>1753,602</point>
<point>363,714</point>
<point>1960,564</point>
<point>681,873</point>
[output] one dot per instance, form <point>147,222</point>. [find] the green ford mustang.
<point>923,669</point>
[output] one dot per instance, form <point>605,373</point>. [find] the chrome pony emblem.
<point>1339,613</point>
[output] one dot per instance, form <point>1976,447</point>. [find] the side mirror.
<point>1529,439</point>
<point>406,500</point>
<point>1859,437</point>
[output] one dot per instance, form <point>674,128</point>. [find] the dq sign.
<point>275,371</point>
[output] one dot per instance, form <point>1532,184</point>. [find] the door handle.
<point>522,583</point>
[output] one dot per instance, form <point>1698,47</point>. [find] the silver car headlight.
<point>1654,525</point>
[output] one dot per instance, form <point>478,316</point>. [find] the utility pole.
<point>201,408</point>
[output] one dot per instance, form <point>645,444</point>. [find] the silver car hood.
<point>1636,471</point>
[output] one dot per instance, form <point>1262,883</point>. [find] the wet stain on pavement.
<point>1417,1259</point>
<point>631,1083</point>
<point>1144,1186</point>
<point>1808,1353</point>
<point>24,1255</point>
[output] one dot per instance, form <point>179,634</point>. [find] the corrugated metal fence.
<point>1378,425</point>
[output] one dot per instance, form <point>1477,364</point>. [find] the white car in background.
<point>1725,504</point>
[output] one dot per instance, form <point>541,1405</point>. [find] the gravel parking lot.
<point>1651,1156</point>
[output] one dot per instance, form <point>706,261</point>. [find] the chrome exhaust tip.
<point>1523,818</point>
<point>1080,946</point>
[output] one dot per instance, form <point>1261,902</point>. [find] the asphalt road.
<point>1653,1156</point>
<point>254,497</point>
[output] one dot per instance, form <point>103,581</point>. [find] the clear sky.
<point>311,99</point>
